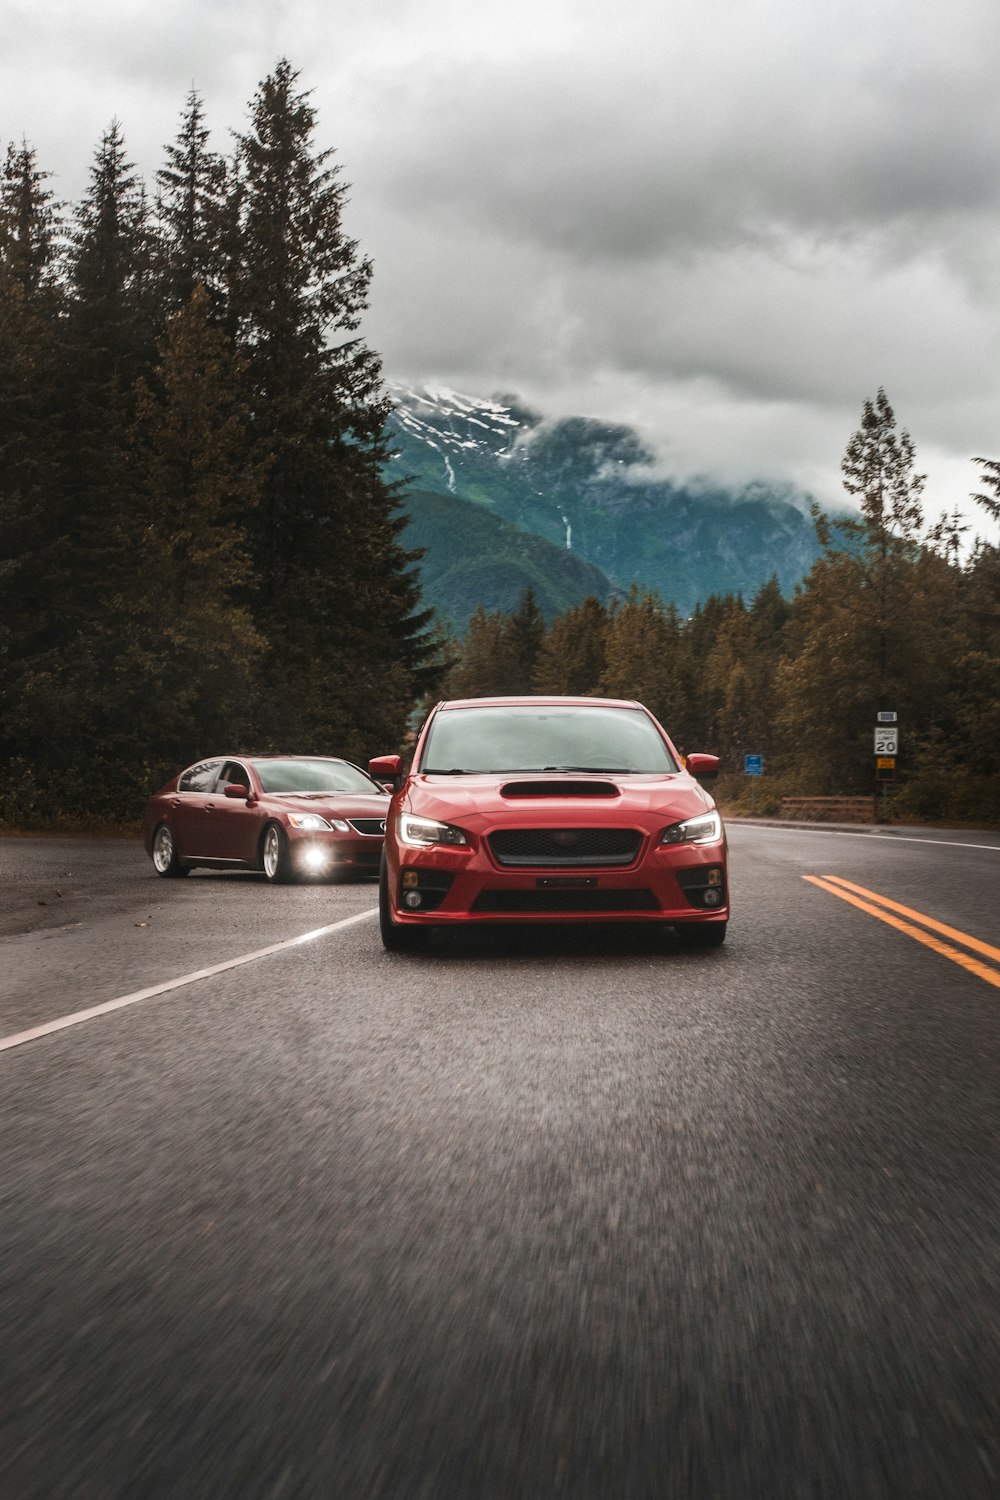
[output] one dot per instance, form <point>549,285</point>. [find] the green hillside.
<point>473,557</point>
<point>592,487</point>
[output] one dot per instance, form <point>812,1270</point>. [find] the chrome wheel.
<point>165,861</point>
<point>274,854</point>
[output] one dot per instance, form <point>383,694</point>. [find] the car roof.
<point>270,755</point>
<point>539,701</point>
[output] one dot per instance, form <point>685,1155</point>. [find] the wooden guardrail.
<point>830,809</point>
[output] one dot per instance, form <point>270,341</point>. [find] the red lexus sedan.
<point>285,815</point>
<point>550,810</point>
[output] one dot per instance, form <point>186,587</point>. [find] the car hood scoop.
<point>564,787</point>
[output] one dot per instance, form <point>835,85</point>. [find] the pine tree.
<point>104,341</point>
<point>480,672</point>
<point>736,676</point>
<point>843,665</point>
<point>30,310</point>
<point>520,644</point>
<point>695,718</point>
<point>31,478</point>
<point>641,653</point>
<point>991,479</point>
<point>110,343</point>
<point>192,214</point>
<point>337,597</point>
<point>187,648</point>
<point>878,468</point>
<point>29,223</point>
<point>571,658</point>
<point>112,311</point>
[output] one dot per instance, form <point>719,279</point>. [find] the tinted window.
<point>313,776</point>
<point>233,774</point>
<point>200,778</point>
<point>546,738</point>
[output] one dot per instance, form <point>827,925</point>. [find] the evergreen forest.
<point>897,614</point>
<point>198,547</point>
<point>201,552</point>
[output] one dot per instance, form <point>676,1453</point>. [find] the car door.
<point>235,826</point>
<point>191,809</point>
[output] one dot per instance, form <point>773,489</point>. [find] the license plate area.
<point>566,882</point>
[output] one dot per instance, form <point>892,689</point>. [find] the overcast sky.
<point>727,222</point>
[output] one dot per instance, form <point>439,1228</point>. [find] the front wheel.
<point>396,939</point>
<point>274,855</point>
<point>701,934</point>
<point>165,858</point>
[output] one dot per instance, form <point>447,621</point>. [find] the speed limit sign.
<point>886,739</point>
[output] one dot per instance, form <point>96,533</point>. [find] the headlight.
<point>313,823</point>
<point>705,829</point>
<point>421,833</point>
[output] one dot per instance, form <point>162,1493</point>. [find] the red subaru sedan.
<point>550,810</point>
<point>285,815</point>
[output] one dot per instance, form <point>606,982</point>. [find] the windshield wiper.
<point>594,770</point>
<point>452,771</point>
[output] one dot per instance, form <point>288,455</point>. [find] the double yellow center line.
<point>903,918</point>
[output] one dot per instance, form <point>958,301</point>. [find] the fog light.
<point>314,859</point>
<point>412,899</point>
<point>712,897</point>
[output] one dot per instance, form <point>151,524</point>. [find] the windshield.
<point>293,776</point>
<point>546,738</point>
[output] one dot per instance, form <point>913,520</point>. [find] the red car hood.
<point>533,797</point>
<point>332,804</point>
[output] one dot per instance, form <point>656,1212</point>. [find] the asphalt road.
<point>535,1214</point>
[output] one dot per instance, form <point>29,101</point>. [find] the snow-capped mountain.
<point>589,488</point>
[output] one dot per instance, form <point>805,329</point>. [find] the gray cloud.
<point>728,221</point>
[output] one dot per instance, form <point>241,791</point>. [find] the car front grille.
<point>371,827</point>
<point>565,847</point>
<point>589,901</point>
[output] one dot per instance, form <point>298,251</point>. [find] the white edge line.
<point>78,1016</point>
<point>874,833</point>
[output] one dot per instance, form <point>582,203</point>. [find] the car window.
<point>545,738</point>
<point>200,778</point>
<point>233,774</point>
<point>292,776</point>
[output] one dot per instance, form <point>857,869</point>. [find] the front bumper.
<point>666,883</point>
<point>315,852</point>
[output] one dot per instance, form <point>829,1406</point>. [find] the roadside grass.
<point>66,827</point>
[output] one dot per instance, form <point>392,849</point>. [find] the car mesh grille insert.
<point>556,902</point>
<point>579,847</point>
<point>370,826</point>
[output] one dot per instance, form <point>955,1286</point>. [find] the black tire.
<point>165,859</point>
<point>396,939</point>
<point>701,934</point>
<point>275,859</point>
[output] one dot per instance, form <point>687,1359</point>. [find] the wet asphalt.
<point>538,1213</point>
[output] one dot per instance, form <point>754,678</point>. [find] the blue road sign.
<point>753,765</point>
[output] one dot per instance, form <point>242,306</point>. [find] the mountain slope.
<point>589,489</point>
<point>474,558</point>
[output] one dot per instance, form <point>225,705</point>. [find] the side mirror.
<point>703,767</point>
<point>234,790</point>
<point>387,769</point>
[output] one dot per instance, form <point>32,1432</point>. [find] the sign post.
<point>886,750</point>
<point>753,765</point>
